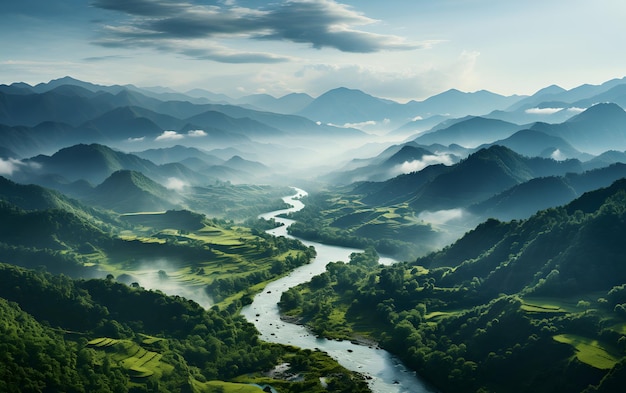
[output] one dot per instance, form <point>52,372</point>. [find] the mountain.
<point>343,105</point>
<point>606,158</point>
<point>238,163</point>
<point>6,153</point>
<point>417,126</point>
<point>245,126</point>
<point>33,197</point>
<point>551,239</point>
<point>393,161</point>
<point>130,191</point>
<point>129,122</point>
<point>599,128</point>
<point>32,109</point>
<point>92,162</point>
<point>476,178</point>
<point>457,103</point>
<point>546,112</point>
<point>523,200</point>
<point>118,115</point>
<point>469,132</point>
<point>539,295</point>
<point>288,104</point>
<point>214,97</point>
<point>534,143</point>
<point>615,95</point>
<point>69,81</point>
<point>555,93</point>
<point>34,216</point>
<point>178,153</point>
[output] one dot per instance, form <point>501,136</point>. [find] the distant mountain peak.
<point>552,89</point>
<point>605,110</point>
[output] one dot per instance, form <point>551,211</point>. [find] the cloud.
<point>176,184</point>
<point>196,133</point>
<point>558,155</point>
<point>418,165</point>
<point>140,139</point>
<point>550,111</point>
<point>169,136</point>
<point>441,216</point>
<point>148,276</point>
<point>7,167</point>
<point>192,29</point>
<point>104,58</point>
<point>12,165</point>
<point>543,111</point>
<point>362,124</point>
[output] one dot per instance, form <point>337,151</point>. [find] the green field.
<point>226,387</point>
<point>540,305</point>
<point>137,361</point>
<point>589,351</point>
<point>198,258</point>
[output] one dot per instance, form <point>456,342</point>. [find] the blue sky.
<point>398,49</point>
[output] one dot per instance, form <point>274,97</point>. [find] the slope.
<point>128,191</point>
<point>476,178</point>
<point>470,132</point>
<point>523,200</point>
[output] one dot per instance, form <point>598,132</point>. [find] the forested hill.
<point>481,175</point>
<point>533,305</point>
<point>579,246</point>
<point>58,334</point>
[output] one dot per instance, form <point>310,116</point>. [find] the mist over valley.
<point>492,208</point>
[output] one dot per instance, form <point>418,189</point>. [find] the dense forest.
<point>526,305</point>
<point>76,316</point>
<point>59,334</point>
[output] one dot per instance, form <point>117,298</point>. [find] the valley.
<point>465,242</point>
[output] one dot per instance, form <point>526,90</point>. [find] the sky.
<point>396,49</point>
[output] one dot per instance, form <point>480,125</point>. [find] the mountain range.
<point>65,112</point>
<point>479,176</point>
<point>541,202</point>
<point>469,161</point>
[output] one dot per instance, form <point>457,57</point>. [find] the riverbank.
<point>384,372</point>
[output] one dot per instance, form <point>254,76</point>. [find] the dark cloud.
<point>327,24</point>
<point>319,23</point>
<point>142,7</point>
<point>104,58</point>
<point>224,56</point>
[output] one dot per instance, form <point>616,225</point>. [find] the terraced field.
<point>138,362</point>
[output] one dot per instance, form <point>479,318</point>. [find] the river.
<point>387,373</point>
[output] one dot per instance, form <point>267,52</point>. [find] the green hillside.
<point>532,305</point>
<point>129,191</point>
<point>98,335</point>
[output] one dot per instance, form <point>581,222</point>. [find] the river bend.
<point>386,373</point>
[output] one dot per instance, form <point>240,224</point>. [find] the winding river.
<point>385,372</point>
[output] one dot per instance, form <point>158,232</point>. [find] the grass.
<point>230,252</point>
<point>589,351</point>
<point>149,340</point>
<point>137,361</point>
<point>225,387</point>
<point>438,315</point>
<point>619,328</point>
<point>547,306</point>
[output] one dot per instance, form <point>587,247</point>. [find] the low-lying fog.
<point>162,275</point>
